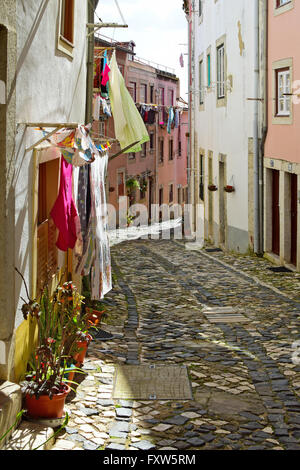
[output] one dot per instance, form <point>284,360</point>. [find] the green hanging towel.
<point>129,125</point>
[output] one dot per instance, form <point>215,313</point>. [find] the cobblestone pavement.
<point>245,385</point>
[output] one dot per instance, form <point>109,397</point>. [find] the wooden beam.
<point>42,139</point>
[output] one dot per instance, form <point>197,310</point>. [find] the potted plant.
<point>45,389</point>
<point>212,187</point>
<point>132,184</point>
<point>229,189</point>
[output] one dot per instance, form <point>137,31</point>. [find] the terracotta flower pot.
<point>44,407</point>
<point>229,189</point>
<point>82,345</point>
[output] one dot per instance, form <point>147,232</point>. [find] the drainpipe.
<point>91,5</point>
<point>264,39</point>
<point>257,228</point>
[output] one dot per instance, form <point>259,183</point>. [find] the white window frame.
<point>221,72</point>
<point>283,93</point>
<point>201,82</point>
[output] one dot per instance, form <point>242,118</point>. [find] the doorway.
<point>222,205</point>
<point>294,218</point>
<point>275,213</point>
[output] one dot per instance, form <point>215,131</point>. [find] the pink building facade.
<point>282,147</point>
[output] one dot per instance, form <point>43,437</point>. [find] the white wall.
<point>50,87</point>
<point>226,129</point>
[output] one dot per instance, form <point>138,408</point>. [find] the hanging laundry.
<point>129,126</point>
<point>177,118</point>
<point>170,120</point>
<point>96,107</point>
<point>151,116</point>
<point>104,86</point>
<point>76,146</point>
<point>181,61</point>
<point>96,251</point>
<point>64,212</point>
<point>106,107</point>
<point>105,75</point>
<point>84,199</point>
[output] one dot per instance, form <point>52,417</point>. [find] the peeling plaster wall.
<point>225,129</point>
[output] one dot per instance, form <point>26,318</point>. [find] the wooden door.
<point>275,213</point>
<point>294,218</point>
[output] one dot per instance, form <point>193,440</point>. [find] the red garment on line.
<point>64,212</point>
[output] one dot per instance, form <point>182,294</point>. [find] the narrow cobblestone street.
<point>167,307</point>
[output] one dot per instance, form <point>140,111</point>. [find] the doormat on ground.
<point>152,382</point>
<point>224,315</point>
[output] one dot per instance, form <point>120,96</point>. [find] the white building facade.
<point>44,72</point>
<point>226,119</point>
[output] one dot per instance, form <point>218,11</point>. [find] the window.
<point>131,156</point>
<point>161,101</point>
<point>144,149</point>
<point>151,94</point>
<point>161,150</point>
<point>221,72</point>
<point>208,70</point>
<point>143,186</point>
<point>171,196</point>
<point>179,192</point>
<point>283,90</point>
<point>151,142</point>
<point>132,90</point>
<point>171,149</point>
<point>143,94</point>
<point>201,83</point>
<point>161,196</point>
<point>280,3</point>
<point>170,97</point>
<point>67,20</point>
<point>179,149</point>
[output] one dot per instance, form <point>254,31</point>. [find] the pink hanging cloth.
<point>64,212</point>
<point>105,76</point>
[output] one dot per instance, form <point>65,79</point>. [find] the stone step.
<point>29,436</point>
<point>10,406</point>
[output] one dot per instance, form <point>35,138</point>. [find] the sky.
<point>158,28</point>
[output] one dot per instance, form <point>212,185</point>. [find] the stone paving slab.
<point>161,382</point>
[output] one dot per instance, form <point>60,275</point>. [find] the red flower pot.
<point>44,407</point>
<point>82,345</point>
<point>229,189</point>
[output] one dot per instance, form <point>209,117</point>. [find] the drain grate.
<point>213,250</point>
<point>152,382</point>
<point>224,315</point>
<point>280,269</point>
